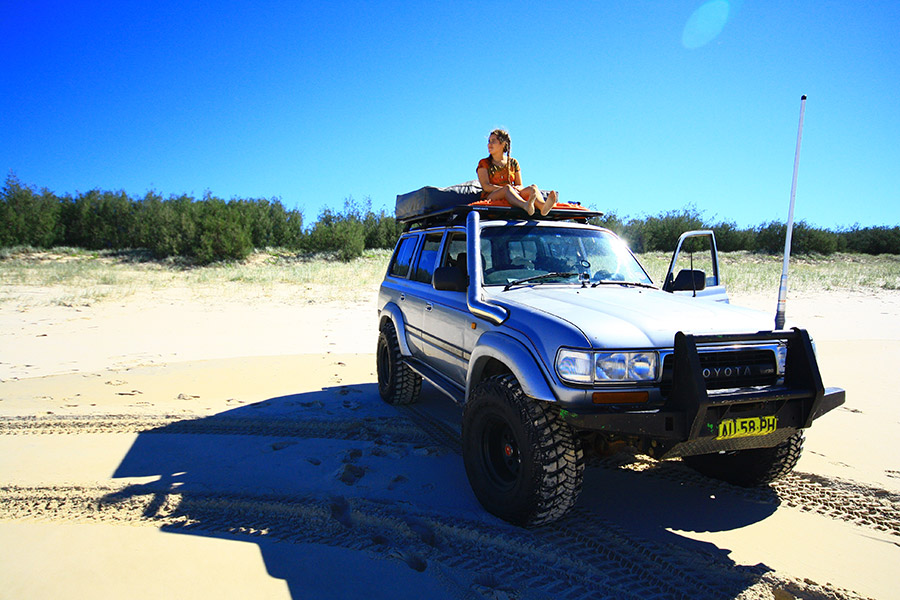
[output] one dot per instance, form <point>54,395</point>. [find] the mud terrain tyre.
<point>397,383</point>
<point>523,462</point>
<point>749,468</point>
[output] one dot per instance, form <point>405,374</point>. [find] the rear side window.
<point>428,258</point>
<point>403,256</point>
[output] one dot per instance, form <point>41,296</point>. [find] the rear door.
<point>446,317</point>
<point>419,296</point>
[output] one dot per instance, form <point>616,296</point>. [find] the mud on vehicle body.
<point>555,341</point>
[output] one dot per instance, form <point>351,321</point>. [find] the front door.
<point>694,269</point>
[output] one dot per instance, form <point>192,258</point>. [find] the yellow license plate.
<point>752,426</point>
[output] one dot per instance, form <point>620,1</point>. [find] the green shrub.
<point>342,233</point>
<point>382,230</point>
<point>221,232</point>
<point>661,233</point>
<point>166,227</point>
<point>805,239</point>
<point>729,238</point>
<point>352,230</point>
<point>99,220</point>
<point>28,218</point>
<point>872,240</point>
<point>770,238</point>
<point>350,238</point>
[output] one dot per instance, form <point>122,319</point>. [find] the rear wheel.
<point>397,383</point>
<point>523,462</point>
<point>750,468</point>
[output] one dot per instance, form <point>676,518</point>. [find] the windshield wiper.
<point>634,283</point>
<point>537,278</point>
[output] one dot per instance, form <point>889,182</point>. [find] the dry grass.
<point>71,277</point>
<point>75,278</point>
<point>745,272</point>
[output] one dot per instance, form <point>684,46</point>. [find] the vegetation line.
<point>211,229</point>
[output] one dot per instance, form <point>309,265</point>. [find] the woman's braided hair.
<point>503,136</point>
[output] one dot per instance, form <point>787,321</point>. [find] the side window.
<point>696,253</point>
<point>428,258</point>
<point>487,254</point>
<point>403,256</point>
<point>456,245</point>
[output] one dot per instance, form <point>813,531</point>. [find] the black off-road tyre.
<point>524,463</point>
<point>397,383</point>
<point>750,468</point>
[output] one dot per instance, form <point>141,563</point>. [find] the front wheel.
<point>749,468</point>
<point>523,462</point>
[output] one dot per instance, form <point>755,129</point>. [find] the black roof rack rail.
<point>457,215</point>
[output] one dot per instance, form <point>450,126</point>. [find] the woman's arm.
<point>486,185</point>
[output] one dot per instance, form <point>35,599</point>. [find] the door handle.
<point>402,297</point>
<point>429,306</point>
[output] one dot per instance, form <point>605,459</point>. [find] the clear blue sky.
<point>634,106</point>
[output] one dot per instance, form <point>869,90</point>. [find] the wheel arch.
<point>497,354</point>
<point>392,313</point>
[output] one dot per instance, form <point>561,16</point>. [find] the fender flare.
<point>392,311</point>
<point>519,360</point>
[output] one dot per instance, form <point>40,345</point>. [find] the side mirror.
<point>687,280</point>
<point>449,279</point>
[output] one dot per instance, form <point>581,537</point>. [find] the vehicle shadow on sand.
<point>343,493</point>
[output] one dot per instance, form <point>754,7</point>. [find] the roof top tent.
<point>432,205</point>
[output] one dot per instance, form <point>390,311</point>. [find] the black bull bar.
<point>687,423</point>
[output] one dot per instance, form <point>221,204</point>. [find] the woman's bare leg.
<point>515,199</point>
<point>536,195</point>
<point>532,195</point>
<point>544,205</point>
<point>549,203</point>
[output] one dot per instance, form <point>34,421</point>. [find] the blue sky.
<point>637,107</point>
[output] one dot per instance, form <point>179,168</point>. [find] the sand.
<point>190,445</point>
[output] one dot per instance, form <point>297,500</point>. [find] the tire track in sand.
<point>590,556</point>
<point>839,499</point>
<point>394,429</point>
<point>582,557</point>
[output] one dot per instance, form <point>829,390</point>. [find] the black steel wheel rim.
<point>384,365</point>
<point>500,454</point>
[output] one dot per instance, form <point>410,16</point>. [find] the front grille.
<point>726,369</point>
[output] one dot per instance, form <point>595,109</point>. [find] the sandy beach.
<point>186,444</point>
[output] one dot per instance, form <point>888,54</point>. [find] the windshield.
<point>510,254</point>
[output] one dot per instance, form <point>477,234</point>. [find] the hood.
<point>613,316</point>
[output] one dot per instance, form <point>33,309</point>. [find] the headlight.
<point>607,367</point>
<point>574,366</point>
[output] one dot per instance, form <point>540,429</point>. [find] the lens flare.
<point>705,24</point>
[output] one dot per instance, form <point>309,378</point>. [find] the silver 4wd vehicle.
<point>555,341</point>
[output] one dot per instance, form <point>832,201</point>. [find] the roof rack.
<point>430,206</point>
<point>457,215</point>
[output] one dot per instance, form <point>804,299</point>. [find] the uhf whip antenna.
<point>782,289</point>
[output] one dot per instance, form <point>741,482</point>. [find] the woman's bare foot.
<point>549,203</point>
<point>529,206</point>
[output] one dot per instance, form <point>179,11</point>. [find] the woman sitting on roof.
<point>501,178</point>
